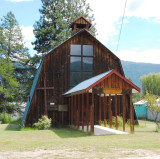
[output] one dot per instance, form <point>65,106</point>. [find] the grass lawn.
<point>68,143</point>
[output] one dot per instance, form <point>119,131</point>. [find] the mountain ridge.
<point>135,70</point>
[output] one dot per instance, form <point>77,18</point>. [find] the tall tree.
<point>12,41</point>
<point>56,15</point>
<point>151,83</point>
<point>8,83</point>
<point>14,59</point>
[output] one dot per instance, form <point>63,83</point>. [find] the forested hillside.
<point>135,70</point>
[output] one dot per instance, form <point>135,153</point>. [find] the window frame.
<point>82,56</point>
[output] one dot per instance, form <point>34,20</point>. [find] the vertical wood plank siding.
<point>56,73</point>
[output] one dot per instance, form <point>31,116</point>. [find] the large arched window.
<point>81,63</point>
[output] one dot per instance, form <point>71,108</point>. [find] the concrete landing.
<point>101,130</point>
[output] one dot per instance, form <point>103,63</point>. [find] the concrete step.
<point>101,130</point>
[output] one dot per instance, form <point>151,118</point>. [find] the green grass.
<point>12,138</point>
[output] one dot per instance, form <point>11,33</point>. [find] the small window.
<point>75,63</point>
<point>75,49</point>
<point>87,75</point>
<point>87,63</point>
<point>75,78</point>
<point>87,50</point>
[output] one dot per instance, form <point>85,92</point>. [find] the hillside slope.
<point>135,70</point>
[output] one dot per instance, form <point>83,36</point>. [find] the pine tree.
<point>15,61</point>
<point>8,83</point>
<point>12,43</point>
<point>56,15</point>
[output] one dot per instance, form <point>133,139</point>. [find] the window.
<point>81,63</point>
<point>87,64</point>
<point>75,78</point>
<point>75,49</point>
<point>87,75</point>
<point>75,63</point>
<point>87,50</point>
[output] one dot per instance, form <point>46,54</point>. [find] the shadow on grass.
<point>13,127</point>
<point>69,133</point>
<point>62,132</point>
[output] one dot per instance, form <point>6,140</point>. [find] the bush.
<point>119,120</point>
<point>5,118</point>
<point>17,121</point>
<point>43,123</point>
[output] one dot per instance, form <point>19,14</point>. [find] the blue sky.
<point>140,37</point>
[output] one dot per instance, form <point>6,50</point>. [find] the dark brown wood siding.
<point>55,73</point>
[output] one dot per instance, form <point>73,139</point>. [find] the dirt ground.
<point>70,153</point>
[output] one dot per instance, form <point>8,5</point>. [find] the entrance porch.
<point>101,98</point>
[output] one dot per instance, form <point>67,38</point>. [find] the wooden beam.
<point>87,110</point>
<point>43,88</point>
<point>124,111</point>
<point>82,117</point>
<point>110,112</point>
<point>72,110</point>
<point>45,92</point>
<point>95,109</point>
<point>92,114</point>
<point>99,109</point>
<point>78,112</point>
<point>116,102</point>
<point>131,115</point>
<point>69,110</point>
<point>112,90</point>
<point>104,109</point>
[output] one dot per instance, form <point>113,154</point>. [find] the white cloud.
<point>108,13</point>
<point>27,32</point>
<point>143,8</point>
<point>28,35</point>
<point>140,56</point>
<point>19,0</point>
<point>28,44</point>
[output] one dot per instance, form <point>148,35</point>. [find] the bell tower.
<point>80,23</point>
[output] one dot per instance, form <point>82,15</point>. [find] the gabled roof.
<point>80,18</point>
<point>79,32</point>
<point>90,83</point>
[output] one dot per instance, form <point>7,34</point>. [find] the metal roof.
<point>32,92</point>
<point>141,102</point>
<point>90,83</point>
<point>39,69</point>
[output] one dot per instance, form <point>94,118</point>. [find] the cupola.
<point>80,23</point>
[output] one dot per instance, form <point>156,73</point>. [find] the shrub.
<point>17,121</point>
<point>5,118</point>
<point>43,123</point>
<point>119,120</point>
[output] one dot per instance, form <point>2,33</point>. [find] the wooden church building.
<point>81,83</point>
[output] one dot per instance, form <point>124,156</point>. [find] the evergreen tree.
<point>15,62</point>
<point>56,15</point>
<point>8,83</point>
<point>11,39</point>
